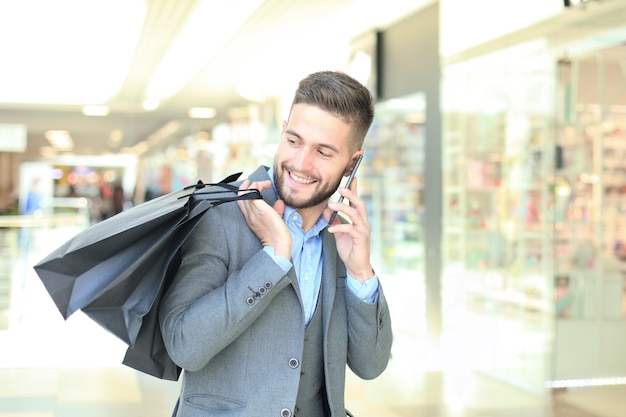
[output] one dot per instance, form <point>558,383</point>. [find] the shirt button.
<point>285,412</point>
<point>294,363</point>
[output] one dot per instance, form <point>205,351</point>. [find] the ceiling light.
<point>208,29</point>
<point>95,110</point>
<point>150,104</point>
<point>115,138</point>
<point>60,139</point>
<point>202,112</point>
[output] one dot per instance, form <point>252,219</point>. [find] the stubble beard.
<point>321,197</point>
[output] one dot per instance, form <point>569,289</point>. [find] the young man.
<point>270,303</point>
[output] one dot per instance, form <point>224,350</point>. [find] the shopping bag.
<point>116,271</point>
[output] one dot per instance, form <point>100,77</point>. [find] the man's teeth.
<point>299,179</point>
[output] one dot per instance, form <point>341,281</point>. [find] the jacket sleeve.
<point>224,283</point>
<point>369,335</point>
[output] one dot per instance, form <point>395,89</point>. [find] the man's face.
<point>313,155</point>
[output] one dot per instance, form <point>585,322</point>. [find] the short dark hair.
<point>341,95</point>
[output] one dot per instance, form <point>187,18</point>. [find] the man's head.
<point>341,95</point>
<point>320,142</point>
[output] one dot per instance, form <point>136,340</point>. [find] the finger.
<point>348,207</point>
<point>243,204</point>
<point>261,185</point>
<point>279,206</point>
<point>353,184</point>
<point>327,213</point>
<point>258,206</point>
<point>345,212</point>
<point>244,185</point>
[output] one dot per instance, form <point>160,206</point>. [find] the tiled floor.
<point>122,392</point>
<point>53,368</point>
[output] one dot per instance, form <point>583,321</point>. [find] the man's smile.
<point>300,180</point>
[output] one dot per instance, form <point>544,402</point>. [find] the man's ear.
<point>353,162</point>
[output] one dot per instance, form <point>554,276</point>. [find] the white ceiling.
<point>280,41</point>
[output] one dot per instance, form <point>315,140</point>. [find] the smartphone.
<point>350,178</point>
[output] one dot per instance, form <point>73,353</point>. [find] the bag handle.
<point>225,182</point>
<point>246,194</point>
<point>227,186</point>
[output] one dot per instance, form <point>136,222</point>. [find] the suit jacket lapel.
<point>331,271</point>
<point>269,195</point>
<point>260,174</point>
<point>332,268</point>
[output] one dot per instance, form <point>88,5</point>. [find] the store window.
<point>497,153</point>
<point>392,185</point>
<point>589,206</point>
<point>590,187</point>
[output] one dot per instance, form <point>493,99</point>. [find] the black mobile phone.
<point>350,178</point>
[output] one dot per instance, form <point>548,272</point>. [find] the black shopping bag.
<point>116,271</point>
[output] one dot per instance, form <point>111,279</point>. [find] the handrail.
<point>60,219</point>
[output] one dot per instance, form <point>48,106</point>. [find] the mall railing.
<point>22,236</point>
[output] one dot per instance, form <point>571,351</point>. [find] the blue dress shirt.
<point>306,255</point>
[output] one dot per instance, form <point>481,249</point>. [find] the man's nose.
<point>303,161</point>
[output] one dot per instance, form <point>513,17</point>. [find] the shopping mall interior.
<point>494,178</point>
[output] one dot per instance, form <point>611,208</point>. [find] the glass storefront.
<point>392,182</point>
<point>534,210</point>
<point>498,110</point>
<point>590,217</point>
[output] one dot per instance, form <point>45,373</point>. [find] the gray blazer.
<point>233,320</point>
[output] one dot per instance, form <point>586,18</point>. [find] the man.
<point>270,303</point>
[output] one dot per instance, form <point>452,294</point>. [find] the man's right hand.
<point>266,222</point>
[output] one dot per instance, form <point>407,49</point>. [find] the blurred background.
<point>495,178</point>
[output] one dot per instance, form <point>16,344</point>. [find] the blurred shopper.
<point>270,303</point>
<point>118,198</point>
<point>31,207</point>
<point>34,198</point>
<point>106,201</point>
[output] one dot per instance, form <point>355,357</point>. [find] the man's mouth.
<point>300,180</point>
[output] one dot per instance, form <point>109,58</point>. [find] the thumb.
<point>327,213</point>
<point>279,206</point>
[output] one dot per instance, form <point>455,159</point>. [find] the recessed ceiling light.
<point>60,139</point>
<point>150,104</point>
<point>115,137</point>
<point>202,112</point>
<point>95,110</point>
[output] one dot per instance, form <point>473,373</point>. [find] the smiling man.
<point>271,303</point>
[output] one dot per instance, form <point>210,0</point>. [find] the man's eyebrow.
<point>329,146</point>
<point>293,133</point>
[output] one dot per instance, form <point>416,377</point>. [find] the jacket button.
<point>294,363</point>
<point>262,290</point>
<point>267,285</point>
<point>285,412</point>
<point>250,301</point>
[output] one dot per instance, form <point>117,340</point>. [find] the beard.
<point>321,196</point>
